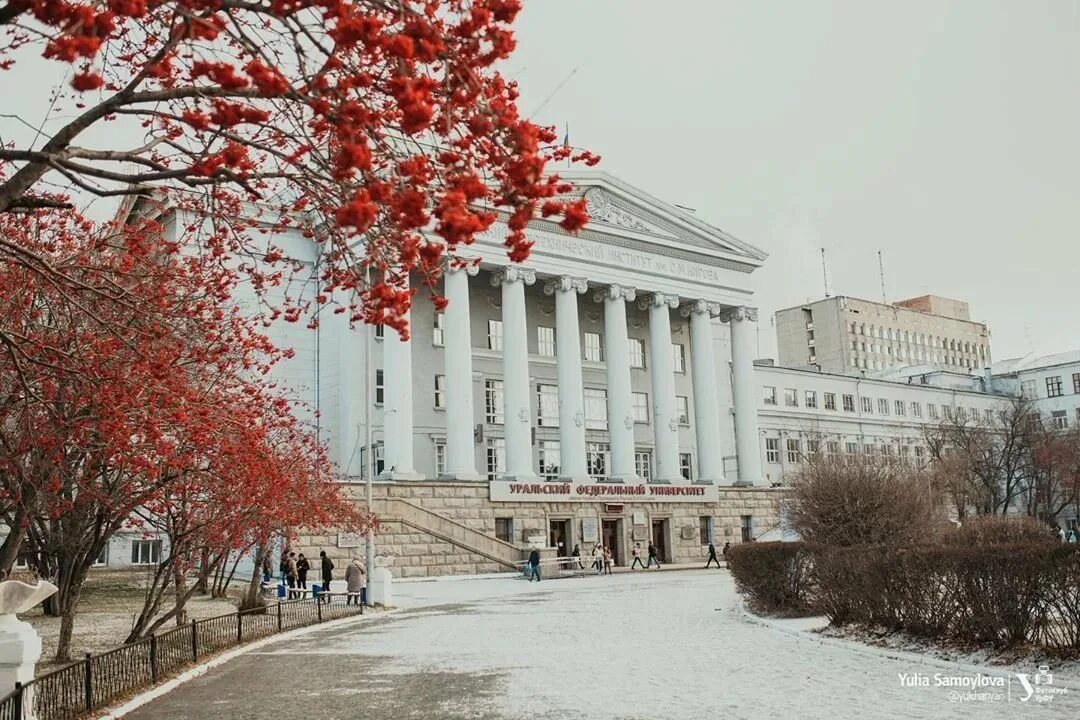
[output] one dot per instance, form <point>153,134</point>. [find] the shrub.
<point>983,530</point>
<point>775,577</point>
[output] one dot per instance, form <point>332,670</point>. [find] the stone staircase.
<point>461,536</point>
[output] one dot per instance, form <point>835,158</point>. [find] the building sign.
<point>503,491</point>
<point>590,530</point>
<point>350,540</point>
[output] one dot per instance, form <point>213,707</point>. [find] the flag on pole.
<point>566,137</point>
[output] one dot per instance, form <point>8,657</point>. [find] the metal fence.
<point>100,680</point>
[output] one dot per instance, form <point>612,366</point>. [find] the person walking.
<point>302,567</point>
<point>283,566</point>
<point>534,565</point>
<point>636,552</point>
<point>1061,534</point>
<point>652,557</point>
<point>1072,537</point>
<point>576,554</point>
<point>290,573</point>
<point>598,558</point>
<point>355,584</point>
<point>267,567</point>
<point>727,546</point>
<point>327,572</point>
<point>609,560</point>
<point>712,557</point>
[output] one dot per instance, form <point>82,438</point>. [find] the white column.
<point>572,461</point>
<point>662,372</point>
<point>744,396</point>
<point>706,404</point>
<point>397,407</point>
<point>517,408</point>
<point>619,400</point>
<point>457,336</point>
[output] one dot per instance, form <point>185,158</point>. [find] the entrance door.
<point>559,537</point>
<point>659,538</point>
<point>611,537</point>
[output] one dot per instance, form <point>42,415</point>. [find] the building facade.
<point>849,336</point>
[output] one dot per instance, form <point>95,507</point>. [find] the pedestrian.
<point>636,552</point>
<point>1061,534</point>
<point>609,560</point>
<point>267,567</point>
<point>712,557</point>
<point>355,583</point>
<point>534,565</point>
<point>576,554</point>
<point>727,546</point>
<point>598,558</point>
<point>283,566</point>
<point>290,573</point>
<point>302,567</point>
<point>653,558</point>
<point>1072,536</point>
<point>327,568</point>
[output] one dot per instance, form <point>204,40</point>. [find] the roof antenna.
<point>825,273</point>
<point>881,272</point>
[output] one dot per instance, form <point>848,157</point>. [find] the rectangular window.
<point>794,454</point>
<point>637,352</point>
<point>916,409</point>
<point>641,407</point>
<point>989,415</point>
<point>496,458</point>
<point>504,529</point>
<point>380,331</point>
<point>791,397</point>
<point>811,399</point>
<point>440,456</point>
<point>145,552</point>
<point>851,448</point>
<point>643,465</point>
<point>830,401</point>
<point>679,354</point>
<point>495,335</point>
<point>899,407</point>
<point>746,522</point>
<point>768,395</point>
<point>380,388</point>
<point>438,336</point>
<point>1028,389</point>
<point>1059,420</point>
<point>813,447</point>
<point>772,450</point>
<point>598,460</point>
<point>931,411</point>
<point>594,348</point>
<point>883,406</point>
<point>946,412</point>
<point>833,447</point>
<point>1076,382</point>
<point>1053,386</point>
<point>595,409</point>
<point>682,409</point>
<point>705,529</point>
<point>545,341</point>
<point>378,460</point>
<point>440,392</point>
<point>493,402</point>
<point>549,459</point>
<point>102,560</point>
<point>867,405</point>
<point>849,403</point>
<point>547,405</point>
<point>685,468</point>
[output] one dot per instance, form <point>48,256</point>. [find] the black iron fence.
<point>102,679</point>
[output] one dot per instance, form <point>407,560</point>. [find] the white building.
<point>1052,381</point>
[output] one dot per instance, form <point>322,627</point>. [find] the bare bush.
<point>998,530</point>
<point>775,577</point>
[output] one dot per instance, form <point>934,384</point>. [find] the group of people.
<point>294,570</point>
<point>712,555</point>
<point>1069,537</point>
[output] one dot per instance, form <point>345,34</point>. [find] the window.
<point>380,388</point>
<point>641,407</point>
<point>961,413</point>
<point>851,448</point>
<point>1059,420</point>
<point>747,524</point>
<point>549,459</point>
<point>380,331</point>
<point>440,456</point>
<point>547,405</point>
<point>772,450</point>
<point>832,447</point>
<point>883,406</point>
<point>637,352</point>
<point>379,460</point>
<point>596,409</point>
<point>643,465</point>
<point>495,335</point>
<point>684,466</point>
<point>594,351</point>
<point>493,402</point>
<point>545,341</point>
<point>919,452</point>
<point>946,412</point>
<point>496,458</point>
<point>791,397</point>
<point>504,529</point>
<point>1053,386</point>
<point>811,399</point>
<point>849,403</point>
<point>931,411</point>
<point>679,353</point>
<point>1027,389</point>
<point>768,395</point>
<point>682,409</point>
<point>597,457</point>
<point>438,337</point>
<point>899,407</point>
<point>440,392</point>
<point>145,552</point>
<point>1076,382</point>
<point>813,447</point>
<point>705,529</point>
<point>867,405</point>
<point>830,401</point>
<point>916,409</point>
<point>794,454</point>
<point>102,559</point>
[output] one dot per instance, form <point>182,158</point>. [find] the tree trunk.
<point>252,599</point>
<point>67,606</point>
<point>179,585</point>
<point>202,583</point>
<point>9,550</point>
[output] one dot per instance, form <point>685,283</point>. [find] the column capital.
<point>615,292</point>
<point>566,283</point>
<point>658,299</point>
<point>459,264</point>
<point>700,307</point>
<point>737,314</point>
<point>512,274</point>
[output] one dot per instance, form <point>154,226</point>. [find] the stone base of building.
<point>437,527</point>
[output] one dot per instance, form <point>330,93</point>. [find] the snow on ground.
<point>666,646</point>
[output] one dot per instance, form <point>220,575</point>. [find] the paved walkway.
<point>642,646</point>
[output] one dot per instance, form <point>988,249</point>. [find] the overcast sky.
<point>943,134</point>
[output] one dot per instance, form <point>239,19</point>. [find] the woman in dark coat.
<point>327,572</point>
<point>302,567</point>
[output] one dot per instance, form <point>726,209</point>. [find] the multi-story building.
<point>849,336</point>
<point>1051,381</point>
